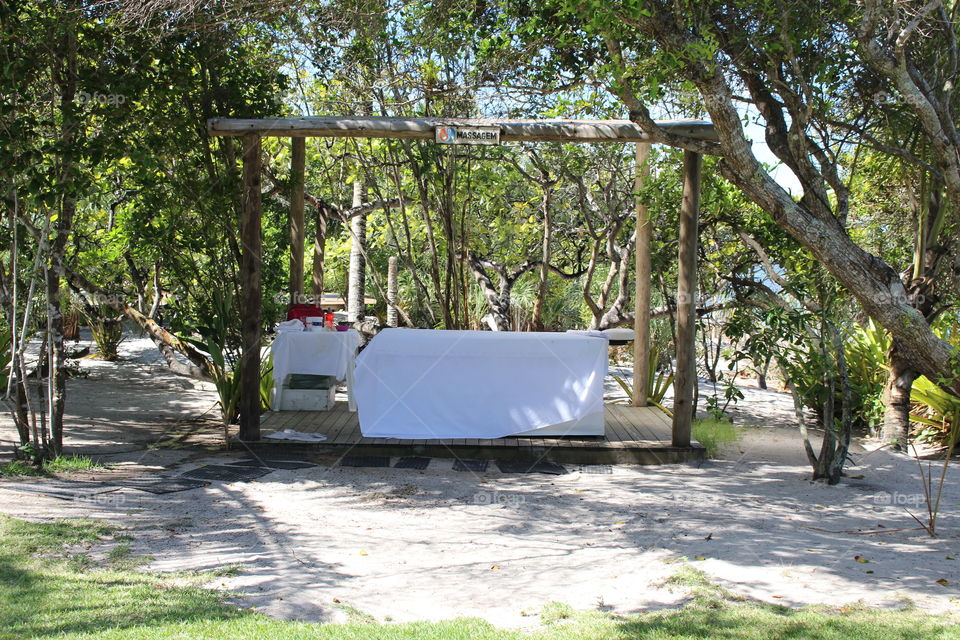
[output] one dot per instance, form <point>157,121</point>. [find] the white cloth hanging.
<point>428,384</point>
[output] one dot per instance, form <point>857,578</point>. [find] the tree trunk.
<point>57,382</point>
<point>297,231</point>
<point>896,397</point>
<point>392,292</point>
<point>425,208</point>
<point>537,316</point>
<point>498,302</point>
<point>762,373</point>
<point>65,77</point>
<point>251,301</point>
<point>319,254</point>
<point>358,266</point>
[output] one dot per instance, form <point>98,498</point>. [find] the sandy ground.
<point>408,545</point>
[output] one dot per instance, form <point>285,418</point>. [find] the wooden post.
<point>356,278</point>
<point>392,291</point>
<point>641,308</point>
<point>297,165</point>
<point>250,266</point>
<point>686,375</point>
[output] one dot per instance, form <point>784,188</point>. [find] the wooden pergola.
<point>578,131</point>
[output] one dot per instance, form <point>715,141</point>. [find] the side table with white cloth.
<point>316,352</point>
<point>434,384</point>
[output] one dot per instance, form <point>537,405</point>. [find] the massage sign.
<point>447,134</point>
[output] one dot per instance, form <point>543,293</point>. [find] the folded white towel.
<point>621,333</point>
<point>299,436</point>
<point>290,325</point>
<point>590,332</point>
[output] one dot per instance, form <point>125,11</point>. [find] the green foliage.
<point>714,434</point>
<point>218,337</point>
<point>106,327</point>
<point>938,412</point>
<point>935,411</point>
<point>556,612</point>
<point>866,349</point>
<point>658,381</point>
<point>43,585</point>
<point>792,339</point>
<point>60,464</point>
<point>18,468</point>
<point>266,381</point>
<point>6,355</point>
<point>22,537</point>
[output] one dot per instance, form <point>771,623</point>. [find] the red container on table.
<point>303,311</point>
<point>328,320</point>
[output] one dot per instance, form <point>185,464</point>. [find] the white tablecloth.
<point>424,384</point>
<point>316,352</point>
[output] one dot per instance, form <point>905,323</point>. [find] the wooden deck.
<point>634,435</point>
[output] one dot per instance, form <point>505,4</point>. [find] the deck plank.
<point>616,432</point>
<point>307,421</point>
<point>632,434</point>
<point>629,431</point>
<point>342,428</point>
<point>636,420</point>
<point>666,423</point>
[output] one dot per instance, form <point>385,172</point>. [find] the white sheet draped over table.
<point>328,353</point>
<point>425,384</point>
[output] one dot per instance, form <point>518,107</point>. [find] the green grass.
<point>60,464</point>
<point>46,591</point>
<point>714,434</point>
<point>121,558</point>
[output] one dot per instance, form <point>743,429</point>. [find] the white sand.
<point>409,545</point>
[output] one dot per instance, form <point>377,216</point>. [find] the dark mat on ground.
<point>223,473</point>
<point>365,461</point>
<point>309,381</point>
<point>62,489</point>
<point>412,462</point>
<point>514,466</point>
<point>470,465</point>
<point>161,484</point>
<point>269,463</point>
<point>595,469</point>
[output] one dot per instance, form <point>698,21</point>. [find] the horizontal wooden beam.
<point>423,128</point>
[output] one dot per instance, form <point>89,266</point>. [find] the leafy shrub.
<point>866,353</point>
<point>107,331</point>
<point>714,434</point>
<point>934,412</point>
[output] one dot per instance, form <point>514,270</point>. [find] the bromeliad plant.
<point>866,349</point>
<point>936,410</point>
<point>218,337</point>
<point>227,385</point>
<point>658,382</point>
<point>106,326</point>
